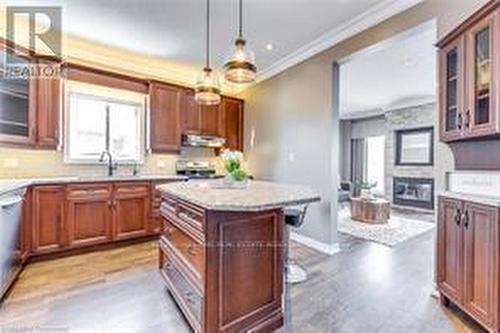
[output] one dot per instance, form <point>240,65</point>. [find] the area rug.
<point>398,230</point>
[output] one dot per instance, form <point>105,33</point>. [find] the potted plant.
<point>235,175</point>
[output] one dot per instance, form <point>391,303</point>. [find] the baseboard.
<point>329,249</point>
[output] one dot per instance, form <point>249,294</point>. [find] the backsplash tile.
<point>26,163</point>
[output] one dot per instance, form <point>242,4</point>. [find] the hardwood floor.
<point>365,288</point>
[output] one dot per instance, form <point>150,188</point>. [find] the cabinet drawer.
<point>190,251</point>
<point>191,215</point>
<point>88,191</point>
<point>132,189</point>
<point>189,299</point>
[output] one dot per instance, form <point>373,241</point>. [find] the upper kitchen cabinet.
<point>17,99</point>
<point>211,120</point>
<point>48,105</point>
<point>469,64</point>
<point>30,100</point>
<point>232,120</point>
<point>190,113</point>
<point>452,97</point>
<point>165,108</point>
<point>206,120</point>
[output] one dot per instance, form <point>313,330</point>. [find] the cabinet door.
<point>211,122</point>
<point>89,214</point>
<point>233,122</point>
<point>48,108</point>
<point>480,118</point>
<point>165,105</point>
<point>131,205</point>
<point>17,102</point>
<point>191,113</point>
<point>452,81</point>
<point>450,248</point>
<point>48,218</point>
<point>481,261</point>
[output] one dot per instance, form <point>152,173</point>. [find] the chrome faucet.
<point>111,166</point>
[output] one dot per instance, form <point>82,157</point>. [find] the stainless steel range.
<point>197,169</point>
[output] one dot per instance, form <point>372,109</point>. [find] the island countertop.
<point>258,196</point>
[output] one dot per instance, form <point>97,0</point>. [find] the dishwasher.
<point>11,208</point>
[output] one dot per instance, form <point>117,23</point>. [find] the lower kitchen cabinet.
<point>468,267</point>
<point>62,217</point>
<point>131,205</point>
<point>47,207</point>
<point>89,214</point>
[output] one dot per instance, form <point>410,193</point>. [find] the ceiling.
<point>397,73</point>
<point>174,29</point>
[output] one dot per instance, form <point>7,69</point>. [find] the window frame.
<point>107,99</point>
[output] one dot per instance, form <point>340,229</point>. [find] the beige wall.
<point>291,120</point>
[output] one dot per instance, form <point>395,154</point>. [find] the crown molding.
<point>366,20</point>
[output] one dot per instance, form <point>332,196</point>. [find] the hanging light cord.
<point>240,11</point>
<point>208,36</point>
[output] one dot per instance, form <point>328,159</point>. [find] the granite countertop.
<point>257,196</point>
<point>489,200</point>
<point>8,185</point>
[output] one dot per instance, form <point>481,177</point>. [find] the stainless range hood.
<point>198,140</point>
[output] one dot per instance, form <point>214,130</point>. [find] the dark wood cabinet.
<point>211,122</point>
<point>131,210</point>
<point>48,105</point>
<point>62,217</point>
<point>32,108</point>
<point>469,67</point>
<point>467,259</point>
<point>452,90</point>
<point>225,119</point>
<point>481,250</point>
<point>89,208</point>
<point>232,120</point>
<point>450,248</point>
<point>199,119</point>
<point>223,288</point>
<point>17,99</point>
<point>165,117</point>
<point>191,113</point>
<point>48,228</point>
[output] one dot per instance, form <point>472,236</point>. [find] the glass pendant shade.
<point>207,90</point>
<point>240,68</point>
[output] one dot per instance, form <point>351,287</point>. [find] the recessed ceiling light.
<point>269,47</point>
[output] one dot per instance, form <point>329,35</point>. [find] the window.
<point>375,170</point>
<point>97,123</point>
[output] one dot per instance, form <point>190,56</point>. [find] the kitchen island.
<point>221,252</point>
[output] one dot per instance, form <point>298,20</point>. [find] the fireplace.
<point>414,192</point>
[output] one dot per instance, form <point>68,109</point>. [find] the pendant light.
<point>240,68</point>
<point>207,90</point>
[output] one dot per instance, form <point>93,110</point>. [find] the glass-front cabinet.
<point>452,77</point>
<point>469,64</point>
<point>480,117</point>
<point>16,110</point>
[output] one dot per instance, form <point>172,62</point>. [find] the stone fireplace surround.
<point>407,118</point>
